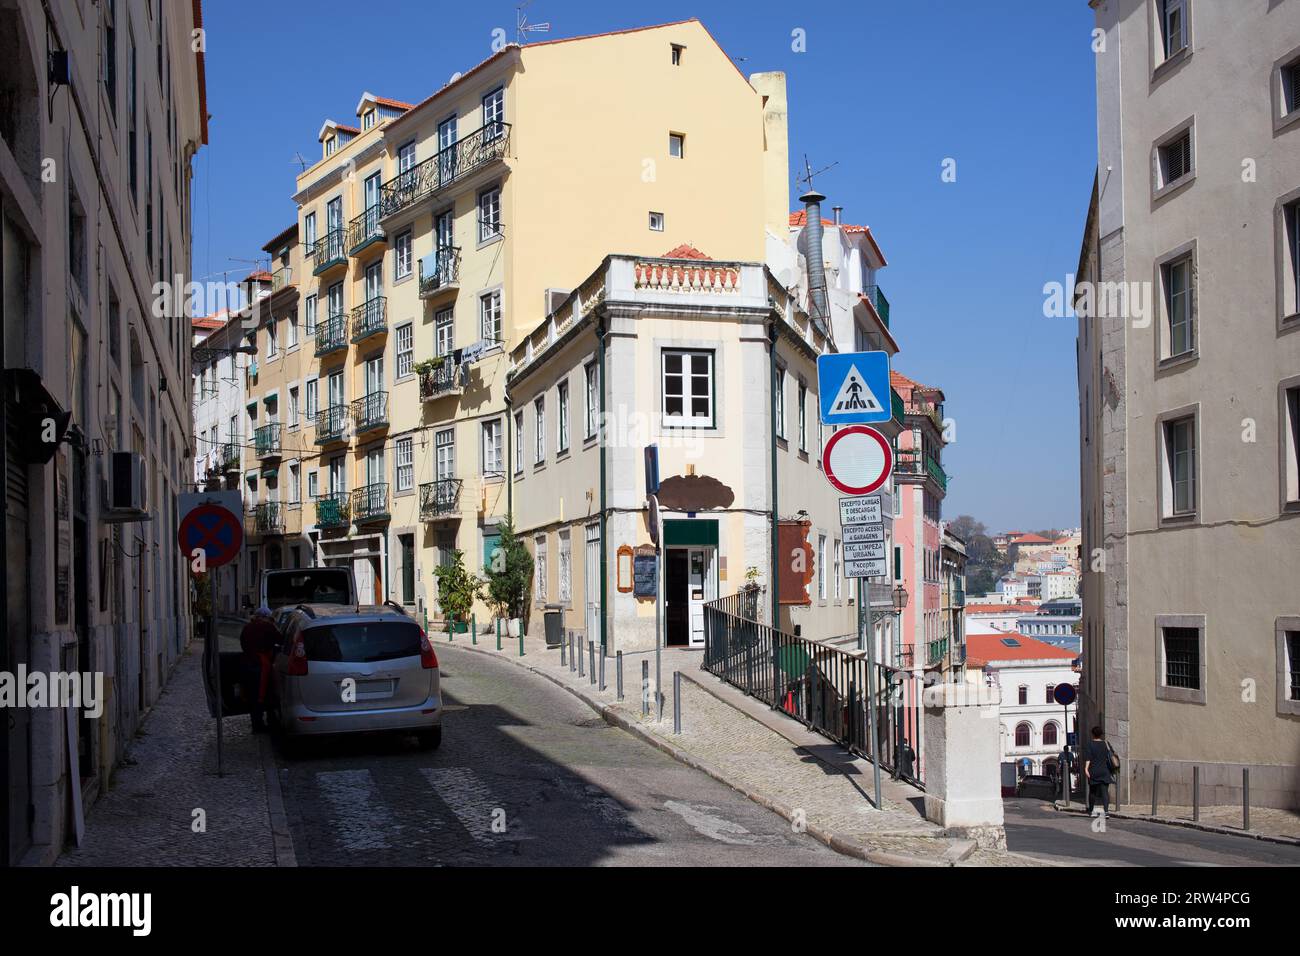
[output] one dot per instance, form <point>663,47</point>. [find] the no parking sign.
<point>212,522</point>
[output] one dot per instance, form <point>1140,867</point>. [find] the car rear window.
<point>317,586</point>
<point>362,643</point>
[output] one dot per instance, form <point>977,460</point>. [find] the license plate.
<point>374,689</point>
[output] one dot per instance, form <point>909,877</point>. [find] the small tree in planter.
<point>751,590</point>
<point>509,574</point>
<point>457,590</point>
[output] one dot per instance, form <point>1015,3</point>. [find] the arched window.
<point>1049,699</point>
<point>1023,735</point>
<point>1049,735</point>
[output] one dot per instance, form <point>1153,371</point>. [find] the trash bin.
<point>553,623</point>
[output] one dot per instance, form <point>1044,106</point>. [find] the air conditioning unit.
<point>126,486</point>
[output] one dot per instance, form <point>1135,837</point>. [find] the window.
<point>309,315</point>
<point>407,542</point>
<point>519,443</point>
<point>688,388</point>
<point>272,337</point>
<point>1180,467</point>
<point>593,399</point>
<point>539,567</point>
<point>313,484</point>
<point>367,119</point>
<point>1174,159</point>
<point>132,160</point>
<point>821,566</point>
<point>1291,259</point>
<point>1023,694</point>
<point>566,568</point>
<point>489,214</point>
<point>444,444</point>
<point>1047,695</point>
<point>293,406</point>
<point>1290,75</point>
<point>1173,26</point>
<point>1182,649</point>
<point>1290,443</point>
<point>492,463</point>
<point>839,563</point>
<point>676,145</point>
<point>405,348</point>
<point>802,413</point>
<point>539,430</point>
<point>402,256</point>
<point>489,311</point>
<point>1176,278</point>
<point>494,113</point>
<point>1049,735</point>
<point>110,55</point>
<point>406,156</point>
<point>1288,665</point>
<point>562,414</point>
<point>780,403</point>
<point>405,464</point>
<point>656,222</point>
<point>292,325</point>
<point>313,398</point>
<point>334,300</point>
<point>677,54</point>
<point>295,484</point>
<point>331,144</point>
<point>1024,735</point>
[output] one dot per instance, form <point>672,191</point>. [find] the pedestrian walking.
<point>1097,762</point>
<point>257,640</point>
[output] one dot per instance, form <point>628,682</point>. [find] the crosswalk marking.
<point>718,828</point>
<point>363,822</point>
<point>473,803</point>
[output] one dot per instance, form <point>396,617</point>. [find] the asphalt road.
<point>1035,829</point>
<point>527,775</point>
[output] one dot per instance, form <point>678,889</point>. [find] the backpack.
<point>1113,762</point>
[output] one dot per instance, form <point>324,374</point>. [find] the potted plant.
<point>509,574</point>
<point>457,592</point>
<point>750,592</point>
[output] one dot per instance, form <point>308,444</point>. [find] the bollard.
<point>451,630</point>
<point>1155,789</point>
<point>602,672</point>
<point>619,676</point>
<point>1196,794</point>
<point>573,664</point>
<point>563,656</point>
<point>473,630</point>
<point>645,689</point>
<point>591,650</point>
<point>498,633</point>
<point>677,702</point>
<point>521,642</point>
<point>580,655</point>
<point>1245,798</point>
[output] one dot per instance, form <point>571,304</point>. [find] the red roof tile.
<point>989,647</point>
<point>1032,539</point>
<point>685,251</point>
<point>395,104</point>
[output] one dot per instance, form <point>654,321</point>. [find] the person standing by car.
<point>1096,770</point>
<point>257,640</point>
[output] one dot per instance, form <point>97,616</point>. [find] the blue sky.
<point>887,89</point>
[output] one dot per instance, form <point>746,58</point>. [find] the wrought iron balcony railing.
<point>231,455</point>
<point>370,502</point>
<point>363,230</point>
<point>879,301</point>
<point>331,334</point>
<point>481,147</point>
<point>328,251</point>
<point>370,318</point>
<point>896,406</point>
<point>439,498</point>
<point>445,379</point>
<point>334,510</point>
<point>331,424</point>
<point>936,650</point>
<point>910,462</point>
<point>370,411</point>
<point>440,271</point>
<point>281,278</point>
<point>267,440</point>
<point>268,518</point>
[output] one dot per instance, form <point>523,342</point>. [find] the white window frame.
<point>539,568</point>
<point>566,567</point>
<point>402,255</point>
<point>656,222</point>
<point>519,442</point>
<point>780,401</point>
<point>405,348</point>
<point>1169,513</point>
<point>687,395</point>
<point>404,464</point>
<point>489,315</point>
<point>562,418</point>
<point>313,484</point>
<point>309,314</point>
<point>539,430</point>
<point>591,381</point>
<point>677,141</point>
<point>491,437</point>
<point>489,215</point>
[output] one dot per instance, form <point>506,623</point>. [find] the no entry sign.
<point>857,460</point>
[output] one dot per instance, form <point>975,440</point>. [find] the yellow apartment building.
<point>434,235</point>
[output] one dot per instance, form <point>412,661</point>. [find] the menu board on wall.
<point>645,575</point>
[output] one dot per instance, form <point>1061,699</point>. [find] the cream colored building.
<point>95,203</point>
<point>434,234</point>
<point>1190,400</point>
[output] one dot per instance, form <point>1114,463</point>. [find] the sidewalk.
<point>1266,823</point>
<point>147,817</point>
<point>765,755</point>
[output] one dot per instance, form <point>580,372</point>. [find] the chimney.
<point>838,210</point>
<point>813,255</point>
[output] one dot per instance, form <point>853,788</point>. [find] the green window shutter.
<point>490,543</point>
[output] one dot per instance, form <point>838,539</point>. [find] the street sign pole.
<point>864,614</point>
<point>213,640</point>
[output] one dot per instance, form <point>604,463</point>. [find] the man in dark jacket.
<point>1096,770</point>
<point>257,641</point>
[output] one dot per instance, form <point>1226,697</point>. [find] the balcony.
<point>364,230</point>
<point>333,510</point>
<point>437,381</point>
<point>370,503</point>
<point>959,655</point>
<point>231,456</point>
<point>959,597</point>
<point>331,424</point>
<point>440,272</point>
<point>370,412</point>
<point>370,318</point>
<point>281,279</point>
<point>267,441</point>
<point>878,300</point>
<point>910,462</point>
<point>331,335</point>
<point>328,252</point>
<point>456,162</point>
<point>936,651</point>
<point>439,499</point>
<point>268,518</point>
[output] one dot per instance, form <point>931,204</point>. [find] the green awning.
<point>681,533</point>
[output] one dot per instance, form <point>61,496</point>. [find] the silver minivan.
<point>350,668</point>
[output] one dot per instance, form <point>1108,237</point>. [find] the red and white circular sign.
<point>857,460</point>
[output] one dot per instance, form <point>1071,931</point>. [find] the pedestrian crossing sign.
<point>853,388</point>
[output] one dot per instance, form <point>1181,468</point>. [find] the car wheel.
<point>429,739</point>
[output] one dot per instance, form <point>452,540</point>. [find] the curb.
<point>612,716</point>
<point>1188,825</point>
<point>281,839</point>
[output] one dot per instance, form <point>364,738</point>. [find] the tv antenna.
<point>522,26</point>
<point>809,173</point>
<point>300,160</point>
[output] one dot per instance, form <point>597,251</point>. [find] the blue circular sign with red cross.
<point>214,529</point>
<point>1064,694</point>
